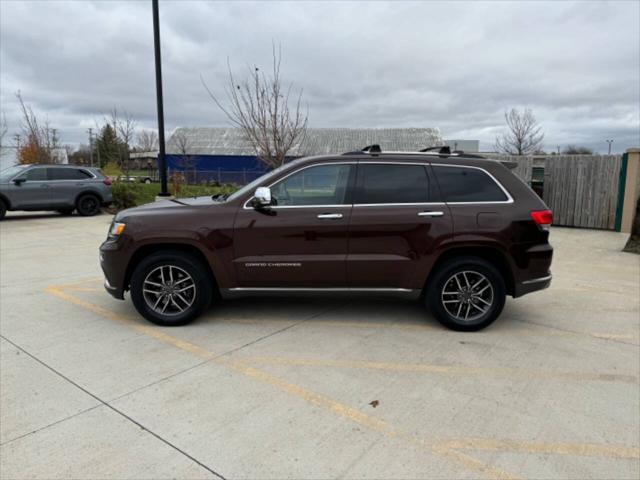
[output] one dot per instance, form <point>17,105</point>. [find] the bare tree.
<point>3,129</point>
<point>183,145</point>
<point>125,126</point>
<point>39,141</point>
<point>263,109</point>
<point>147,141</point>
<point>524,135</point>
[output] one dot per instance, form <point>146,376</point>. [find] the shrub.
<point>124,195</point>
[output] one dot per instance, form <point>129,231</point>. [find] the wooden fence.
<point>582,190</point>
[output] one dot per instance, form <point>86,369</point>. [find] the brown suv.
<point>458,230</point>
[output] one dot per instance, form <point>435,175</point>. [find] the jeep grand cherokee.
<point>456,230</point>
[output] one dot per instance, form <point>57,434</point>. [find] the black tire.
<point>88,205</point>
<point>3,209</point>
<point>181,263</point>
<point>472,304</point>
<point>65,211</point>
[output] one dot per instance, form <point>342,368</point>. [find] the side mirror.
<point>262,197</point>
<point>19,181</point>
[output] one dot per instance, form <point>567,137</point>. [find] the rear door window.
<point>391,183</point>
<point>68,174</point>
<point>468,185</point>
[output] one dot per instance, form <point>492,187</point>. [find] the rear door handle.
<point>330,215</point>
<point>430,214</point>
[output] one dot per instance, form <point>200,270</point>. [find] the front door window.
<point>313,186</point>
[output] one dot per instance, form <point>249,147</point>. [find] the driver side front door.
<point>300,241</point>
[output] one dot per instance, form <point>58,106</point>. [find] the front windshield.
<point>10,172</point>
<point>258,181</point>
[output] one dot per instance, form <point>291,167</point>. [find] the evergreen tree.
<point>108,146</point>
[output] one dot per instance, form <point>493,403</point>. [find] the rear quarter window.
<point>461,184</point>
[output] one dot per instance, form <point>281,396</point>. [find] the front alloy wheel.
<point>171,288</point>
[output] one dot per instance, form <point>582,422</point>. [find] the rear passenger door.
<point>479,204</point>
<point>66,183</point>
<point>397,223</point>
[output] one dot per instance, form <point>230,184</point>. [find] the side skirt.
<point>309,291</point>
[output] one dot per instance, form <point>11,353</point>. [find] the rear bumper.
<point>532,285</point>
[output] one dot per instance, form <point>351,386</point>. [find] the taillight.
<point>107,181</point>
<point>543,218</point>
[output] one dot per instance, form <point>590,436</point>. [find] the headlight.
<point>116,229</point>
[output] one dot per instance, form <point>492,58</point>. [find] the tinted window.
<point>35,175</point>
<point>392,184</point>
<point>467,185</point>
<point>67,174</point>
<point>320,185</point>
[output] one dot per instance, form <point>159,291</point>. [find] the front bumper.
<point>114,268</point>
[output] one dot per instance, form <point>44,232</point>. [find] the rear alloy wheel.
<point>171,288</point>
<point>468,294</point>
<point>88,205</point>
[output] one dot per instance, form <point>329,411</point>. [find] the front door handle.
<point>330,215</point>
<point>430,214</point>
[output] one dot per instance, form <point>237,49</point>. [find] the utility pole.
<point>558,149</point>
<point>609,142</point>
<point>162,161</point>
<point>90,130</point>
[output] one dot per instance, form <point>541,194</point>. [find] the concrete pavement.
<point>282,388</point>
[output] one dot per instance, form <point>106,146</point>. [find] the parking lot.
<point>314,388</point>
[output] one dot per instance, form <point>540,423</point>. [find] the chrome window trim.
<point>488,202</point>
<point>426,204</point>
<point>34,167</point>
<point>244,207</point>
<point>387,162</point>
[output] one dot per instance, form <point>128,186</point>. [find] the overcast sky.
<point>456,65</point>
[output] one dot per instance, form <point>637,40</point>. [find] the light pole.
<point>90,130</point>
<point>162,161</point>
<point>609,142</point>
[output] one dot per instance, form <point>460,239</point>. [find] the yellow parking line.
<point>314,398</point>
<point>538,448</point>
<point>445,369</point>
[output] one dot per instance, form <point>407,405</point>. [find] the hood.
<point>174,205</point>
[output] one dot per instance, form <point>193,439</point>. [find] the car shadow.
<point>23,216</point>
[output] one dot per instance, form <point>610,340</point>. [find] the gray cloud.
<point>457,66</point>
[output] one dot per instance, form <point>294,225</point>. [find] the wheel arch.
<point>5,200</point>
<point>492,254</point>
<point>95,193</point>
<point>145,250</point>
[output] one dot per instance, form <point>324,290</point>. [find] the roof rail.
<point>442,150</point>
<point>375,148</point>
